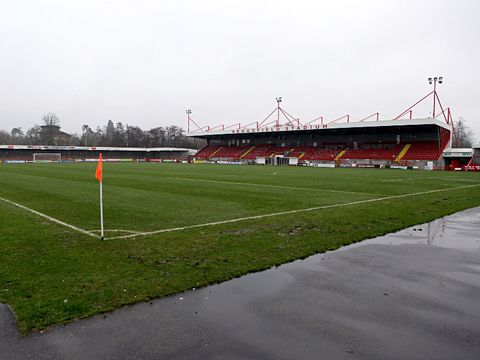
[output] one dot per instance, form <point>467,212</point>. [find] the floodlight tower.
<point>188,119</point>
<point>279,100</point>
<point>433,80</point>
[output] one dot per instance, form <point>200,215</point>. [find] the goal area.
<point>47,157</point>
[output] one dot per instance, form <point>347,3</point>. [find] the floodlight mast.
<point>188,119</point>
<point>433,80</point>
<point>279,100</point>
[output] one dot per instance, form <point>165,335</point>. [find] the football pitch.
<point>172,227</point>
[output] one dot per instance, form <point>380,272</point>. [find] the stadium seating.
<point>420,150</point>
<point>298,152</point>
<point>207,151</point>
<point>258,151</point>
<point>279,150</point>
<point>321,154</point>
<point>423,150</point>
<point>374,154</point>
<point>231,152</point>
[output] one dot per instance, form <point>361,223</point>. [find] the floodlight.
<point>440,79</point>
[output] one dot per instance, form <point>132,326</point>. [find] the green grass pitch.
<point>249,218</point>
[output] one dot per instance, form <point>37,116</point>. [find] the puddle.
<point>459,231</point>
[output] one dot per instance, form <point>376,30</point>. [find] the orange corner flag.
<point>98,173</point>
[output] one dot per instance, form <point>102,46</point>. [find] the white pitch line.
<point>269,185</point>
<point>404,179</point>
<point>449,178</point>
<point>116,230</point>
<point>288,212</point>
<point>50,218</point>
<point>453,178</point>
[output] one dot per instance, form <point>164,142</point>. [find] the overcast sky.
<point>144,62</point>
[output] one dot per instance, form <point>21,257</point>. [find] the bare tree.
<point>171,134</point>
<point>86,131</point>
<point>464,136</point>
<point>16,132</point>
<point>135,136</point>
<point>5,137</point>
<point>109,133</point>
<point>156,137</point>
<point>51,119</point>
<point>119,135</point>
<point>33,134</point>
<point>52,124</point>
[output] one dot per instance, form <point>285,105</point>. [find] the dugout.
<point>476,155</point>
<point>457,158</point>
<point>474,163</point>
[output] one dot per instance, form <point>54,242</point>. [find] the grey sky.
<point>144,62</point>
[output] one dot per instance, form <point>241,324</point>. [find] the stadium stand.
<point>389,152</point>
<point>403,141</point>
<point>422,150</point>
<point>26,153</point>
<point>376,144</point>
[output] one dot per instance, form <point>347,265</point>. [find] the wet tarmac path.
<point>414,294</point>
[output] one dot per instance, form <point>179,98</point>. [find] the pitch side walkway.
<point>410,295</point>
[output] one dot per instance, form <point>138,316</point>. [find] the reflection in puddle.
<point>457,231</point>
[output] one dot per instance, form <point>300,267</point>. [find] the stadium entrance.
<point>277,160</point>
<point>280,160</point>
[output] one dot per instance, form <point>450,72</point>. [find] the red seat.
<point>205,152</point>
<point>231,152</point>
<point>374,153</point>
<point>423,150</point>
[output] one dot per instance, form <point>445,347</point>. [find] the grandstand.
<point>30,153</point>
<point>384,143</point>
<point>282,139</point>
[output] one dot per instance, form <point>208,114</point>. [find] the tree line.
<point>119,134</point>
<point>464,136</point>
<point>112,134</point>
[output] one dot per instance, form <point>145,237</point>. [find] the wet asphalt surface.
<point>414,294</point>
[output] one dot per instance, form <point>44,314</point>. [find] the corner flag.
<point>98,173</point>
<point>99,177</point>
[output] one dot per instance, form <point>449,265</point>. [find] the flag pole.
<point>101,207</point>
<point>99,177</point>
